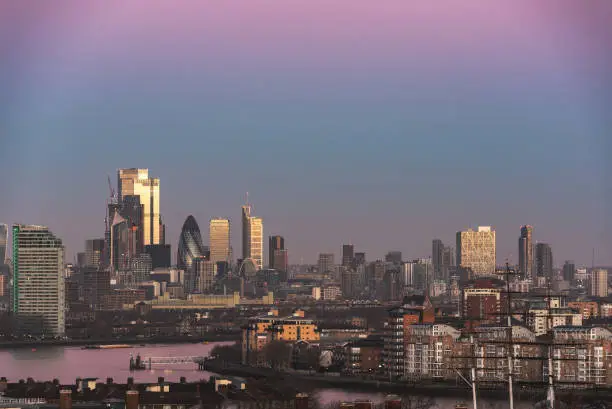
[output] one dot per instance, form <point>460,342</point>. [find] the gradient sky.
<point>383,123</point>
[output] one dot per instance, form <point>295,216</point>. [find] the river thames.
<point>69,363</point>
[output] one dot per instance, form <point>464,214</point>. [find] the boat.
<point>461,406</point>
<point>91,347</point>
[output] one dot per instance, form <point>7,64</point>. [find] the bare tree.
<point>278,354</point>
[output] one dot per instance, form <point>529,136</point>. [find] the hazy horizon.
<point>381,125</point>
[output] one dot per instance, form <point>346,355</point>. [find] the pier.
<point>139,363</point>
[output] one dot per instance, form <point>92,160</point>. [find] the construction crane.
<point>113,193</point>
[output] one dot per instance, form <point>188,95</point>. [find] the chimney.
<point>393,402</point>
<point>130,382</point>
<point>65,400</point>
<point>160,380</point>
<point>183,379</point>
<point>131,400</point>
<point>109,381</point>
<point>301,401</point>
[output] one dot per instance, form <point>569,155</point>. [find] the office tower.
<point>526,252</point>
<point>569,271</point>
<point>160,255</point>
<point>394,257</point>
<point>190,244</point>
<point>3,241</point>
<point>93,252</point>
<point>81,259</point>
<point>543,261</point>
<point>349,282</point>
<point>140,268</point>
<point>219,240</point>
<point>375,274</point>
<point>448,260</point>
<point>437,255</point>
<point>96,285</point>
<point>274,243</point>
<point>348,254</point>
<point>360,258</point>
<point>136,182</point>
<point>281,260</point>
<point>162,231</point>
<point>38,300</point>
<point>599,282</point>
<point>252,237</point>
<point>205,272</point>
<point>476,250</point>
<point>326,263</point>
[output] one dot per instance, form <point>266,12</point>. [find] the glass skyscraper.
<point>3,241</point>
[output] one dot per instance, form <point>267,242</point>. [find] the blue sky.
<point>387,139</point>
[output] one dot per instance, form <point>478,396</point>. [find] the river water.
<point>69,363</point>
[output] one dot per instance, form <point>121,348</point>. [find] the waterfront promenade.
<point>115,341</point>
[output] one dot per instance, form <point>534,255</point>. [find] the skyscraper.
<point>3,241</point>
<point>274,243</point>
<point>476,250</point>
<point>190,244</point>
<point>437,255</point>
<point>38,280</point>
<point>93,252</point>
<point>543,261</point>
<point>569,271</point>
<point>599,282</point>
<point>348,254</point>
<point>136,182</point>
<point>525,248</point>
<point>326,263</point>
<point>394,257</point>
<point>252,237</point>
<point>219,240</point>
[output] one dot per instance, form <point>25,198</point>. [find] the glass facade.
<point>190,244</point>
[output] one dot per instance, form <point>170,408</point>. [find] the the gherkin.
<point>190,244</point>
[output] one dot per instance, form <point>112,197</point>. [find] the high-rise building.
<point>569,271</point>
<point>205,272</point>
<point>93,252</point>
<point>252,237</point>
<point>3,241</point>
<point>348,254</point>
<point>38,300</point>
<point>274,243</point>
<point>525,249</point>
<point>136,182</point>
<point>437,254</point>
<point>359,259</point>
<point>190,244</point>
<point>476,250</point>
<point>394,257</point>
<point>281,260</point>
<point>160,255</point>
<point>543,261</point>
<point>599,283</point>
<point>326,263</point>
<point>219,240</point>
<point>448,259</point>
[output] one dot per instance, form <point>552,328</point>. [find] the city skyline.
<point>385,134</point>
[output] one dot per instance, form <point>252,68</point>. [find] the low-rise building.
<point>428,350</point>
<point>260,331</point>
<point>582,355</point>
<point>588,309</point>
<point>364,356</point>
